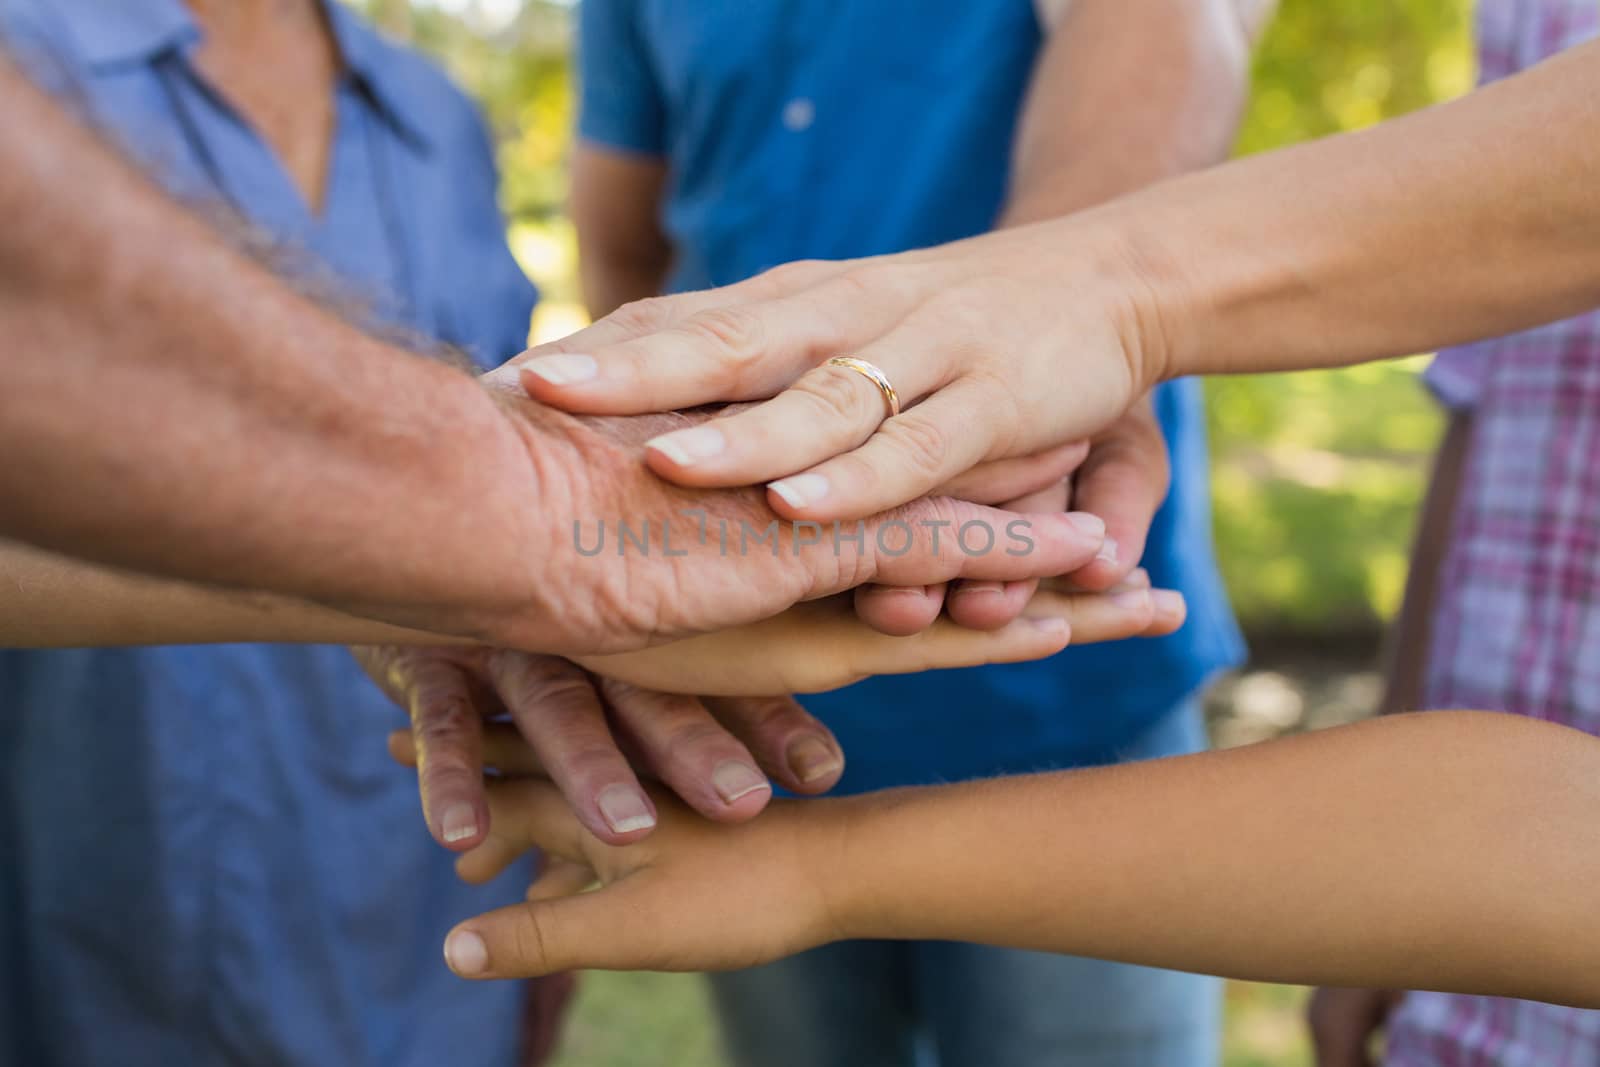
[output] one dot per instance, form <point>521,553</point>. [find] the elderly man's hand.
<point>632,559</point>
<point>589,726</point>
<point>588,734</point>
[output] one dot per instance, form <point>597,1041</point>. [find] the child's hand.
<point>814,647</point>
<point>694,896</point>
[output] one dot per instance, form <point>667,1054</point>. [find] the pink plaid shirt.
<point>1517,626</point>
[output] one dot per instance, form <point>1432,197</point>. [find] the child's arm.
<point>1449,850</point>
<point>49,601</point>
<point>821,645</point>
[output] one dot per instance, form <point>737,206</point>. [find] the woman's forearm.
<point>50,601</point>
<point>1453,851</point>
<point>1470,219</point>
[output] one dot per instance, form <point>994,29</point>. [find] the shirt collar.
<point>384,73</point>
<point>127,32</point>
<point>131,32</point>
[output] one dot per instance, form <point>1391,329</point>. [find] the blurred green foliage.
<point>1326,66</point>
<point>1316,475</point>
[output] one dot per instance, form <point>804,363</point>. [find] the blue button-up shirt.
<point>206,856</point>
<point>839,128</point>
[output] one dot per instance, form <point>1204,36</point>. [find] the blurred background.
<point>1317,477</point>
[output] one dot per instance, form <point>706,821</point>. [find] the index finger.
<point>741,343</point>
<point>447,733</point>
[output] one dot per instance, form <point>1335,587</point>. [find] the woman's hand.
<point>1072,350</point>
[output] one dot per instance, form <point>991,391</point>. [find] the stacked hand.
<point>677,901</point>
<point>596,724</point>
<point>593,720</point>
<point>711,716</point>
<point>998,411</point>
<point>671,562</point>
<point>981,392</point>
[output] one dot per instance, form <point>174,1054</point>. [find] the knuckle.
<point>733,333</point>
<point>626,698</point>
<point>442,775</point>
<point>860,474</point>
<point>642,316</point>
<point>795,275</point>
<point>685,742</point>
<point>783,719</point>
<point>774,715</point>
<point>569,696</point>
<point>942,512</point>
<point>837,395</point>
<point>446,722</point>
<point>923,444</point>
<point>548,682</point>
<point>529,939</point>
<point>438,702</point>
<point>873,281</point>
<point>588,760</point>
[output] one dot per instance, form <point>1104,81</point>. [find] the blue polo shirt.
<point>206,856</point>
<point>832,129</point>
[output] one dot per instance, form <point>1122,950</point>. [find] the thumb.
<point>610,929</point>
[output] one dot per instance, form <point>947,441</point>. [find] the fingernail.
<point>1089,525</point>
<point>687,447</point>
<point>1108,551</point>
<point>565,368</point>
<point>1050,625</point>
<point>466,953</point>
<point>624,809</point>
<point>812,760</point>
<point>735,780</point>
<point>802,490</point>
<point>1132,598</point>
<point>459,822</point>
<point>978,589</point>
<point>1169,602</point>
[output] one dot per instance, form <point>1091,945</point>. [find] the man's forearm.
<point>1445,850</point>
<point>1125,95</point>
<point>171,406</point>
<point>1468,220</point>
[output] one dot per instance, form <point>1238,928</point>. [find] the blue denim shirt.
<point>839,128</point>
<point>206,856</point>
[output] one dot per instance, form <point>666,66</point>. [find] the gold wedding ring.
<point>873,374</point>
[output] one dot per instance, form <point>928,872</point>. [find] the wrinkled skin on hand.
<point>589,473</point>
<point>593,737</point>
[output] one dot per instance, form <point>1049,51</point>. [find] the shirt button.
<point>799,114</point>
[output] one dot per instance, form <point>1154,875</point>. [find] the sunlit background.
<point>1317,477</point>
